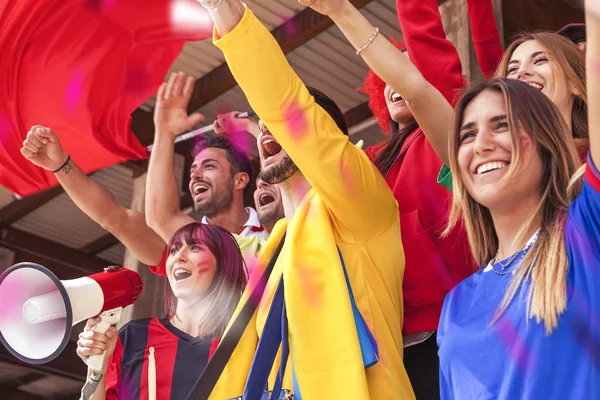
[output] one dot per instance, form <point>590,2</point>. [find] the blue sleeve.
<point>582,236</point>
<point>584,213</point>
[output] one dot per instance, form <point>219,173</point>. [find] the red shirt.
<point>434,265</point>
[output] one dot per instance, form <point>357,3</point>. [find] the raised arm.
<point>484,33</point>
<point>396,70</point>
<point>42,147</point>
<point>593,75</point>
<point>170,119</point>
<point>339,171</point>
<point>434,56</point>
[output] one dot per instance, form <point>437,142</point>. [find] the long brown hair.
<point>545,264</point>
<point>563,55</point>
<point>223,294</point>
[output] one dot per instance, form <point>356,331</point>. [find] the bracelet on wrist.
<point>62,166</point>
<point>210,6</point>
<point>358,51</point>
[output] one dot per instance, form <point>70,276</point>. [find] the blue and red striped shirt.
<point>178,360</point>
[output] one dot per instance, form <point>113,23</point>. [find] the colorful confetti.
<point>74,91</point>
<point>296,120</point>
<point>290,27</point>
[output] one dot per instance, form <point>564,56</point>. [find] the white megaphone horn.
<point>39,310</point>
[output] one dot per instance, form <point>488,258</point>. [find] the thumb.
<point>195,118</point>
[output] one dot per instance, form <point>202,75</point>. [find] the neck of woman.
<point>188,316</point>
<point>510,223</point>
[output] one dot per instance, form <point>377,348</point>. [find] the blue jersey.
<point>153,355</point>
<point>514,358</point>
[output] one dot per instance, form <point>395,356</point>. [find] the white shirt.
<point>252,227</point>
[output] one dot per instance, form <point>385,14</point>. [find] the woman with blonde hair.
<point>555,66</point>
<point>527,326</point>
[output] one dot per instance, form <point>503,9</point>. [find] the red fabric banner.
<point>81,67</point>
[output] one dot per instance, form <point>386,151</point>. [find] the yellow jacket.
<point>351,206</point>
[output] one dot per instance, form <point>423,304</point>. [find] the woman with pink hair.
<point>161,358</point>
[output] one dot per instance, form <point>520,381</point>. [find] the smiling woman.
<point>154,357</point>
<point>554,65</point>
<point>534,222</point>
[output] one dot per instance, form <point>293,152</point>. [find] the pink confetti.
<point>8,294</point>
<point>520,354</point>
<point>74,90</point>
<point>296,120</point>
<point>290,27</point>
<point>100,5</point>
<point>311,295</point>
<point>348,178</point>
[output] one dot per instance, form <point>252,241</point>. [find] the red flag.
<point>81,67</point>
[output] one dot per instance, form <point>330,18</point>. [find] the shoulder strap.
<point>207,381</point>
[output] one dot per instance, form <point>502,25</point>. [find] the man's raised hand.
<point>42,147</point>
<point>170,114</point>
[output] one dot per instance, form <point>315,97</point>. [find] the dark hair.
<point>237,157</point>
<point>331,108</point>
<point>229,281</point>
<point>391,149</point>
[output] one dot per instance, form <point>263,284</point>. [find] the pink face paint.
<point>295,119</point>
<point>74,90</point>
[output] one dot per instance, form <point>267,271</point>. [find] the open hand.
<point>95,343</point>
<point>42,147</point>
<point>229,123</point>
<point>325,7</point>
<point>170,114</point>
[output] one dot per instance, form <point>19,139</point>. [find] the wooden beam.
<point>532,15</point>
<point>307,23</point>
<point>99,245</point>
<point>15,394</point>
<point>25,379</point>
<point>358,114</point>
<point>18,209</point>
<point>75,260</point>
<point>67,364</point>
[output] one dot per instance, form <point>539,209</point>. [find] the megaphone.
<point>39,310</point>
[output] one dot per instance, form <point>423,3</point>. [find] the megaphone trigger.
<point>108,319</point>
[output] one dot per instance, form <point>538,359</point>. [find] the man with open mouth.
<point>340,218</point>
<point>267,200</point>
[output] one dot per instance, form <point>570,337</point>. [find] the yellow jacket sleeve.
<point>349,184</point>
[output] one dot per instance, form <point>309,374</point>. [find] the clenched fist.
<point>42,147</point>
